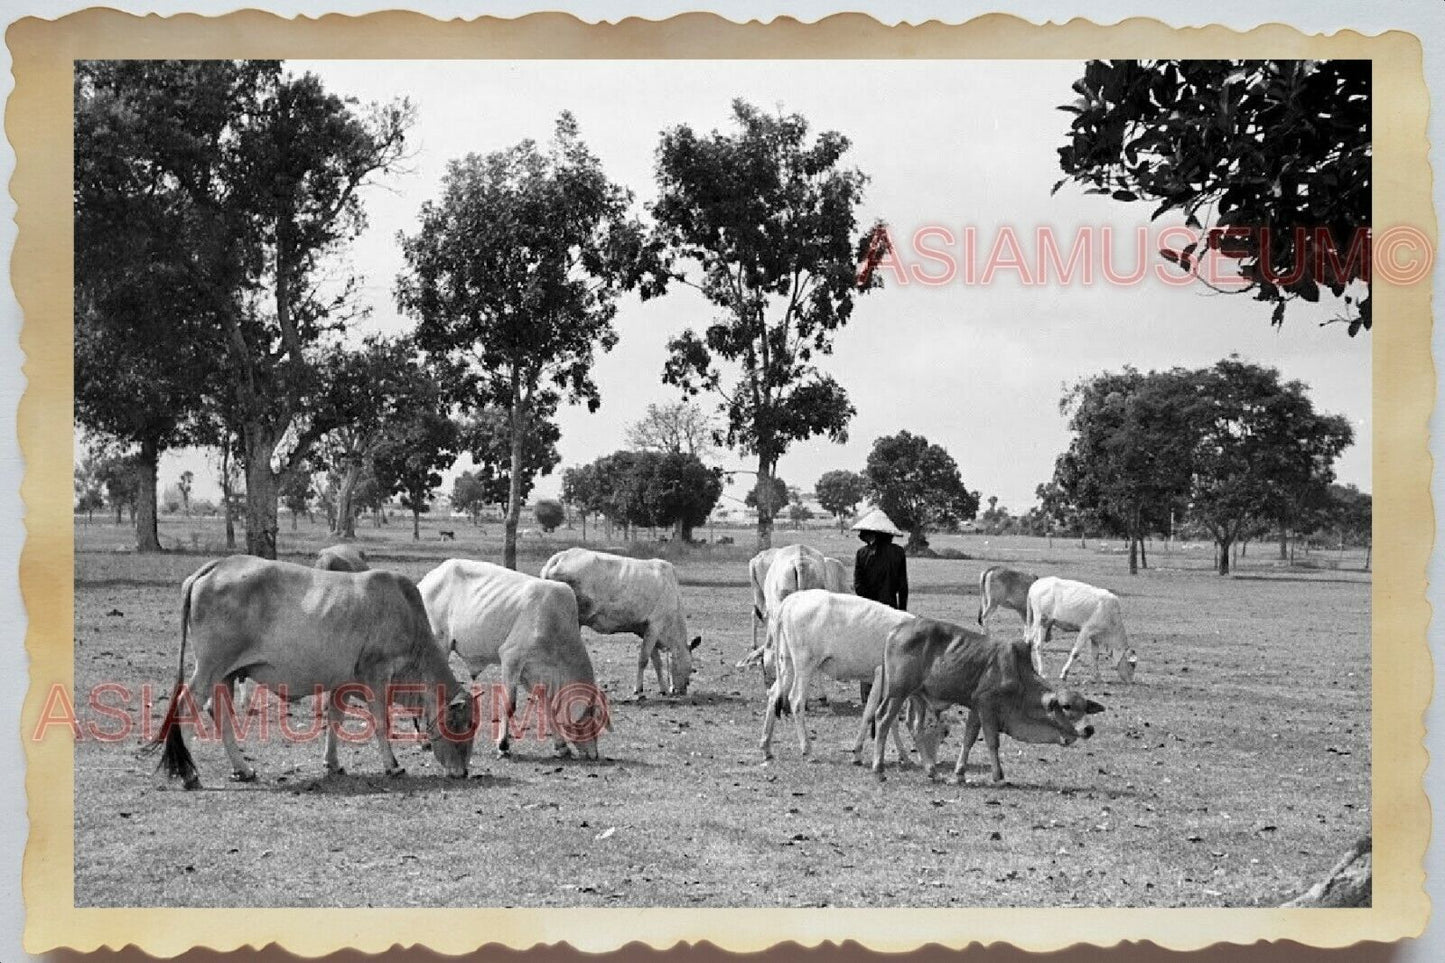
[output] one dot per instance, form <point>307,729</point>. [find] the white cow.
<point>835,576</point>
<point>641,596</point>
<point>490,615</point>
<point>785,570</point>
<point>1078,607</point>
<point>822,632</point>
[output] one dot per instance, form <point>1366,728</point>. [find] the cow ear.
<point>695,642</point>
<point>1091,707</point>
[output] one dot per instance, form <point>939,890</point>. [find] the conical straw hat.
<point>876,521</point>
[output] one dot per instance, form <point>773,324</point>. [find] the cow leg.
<point>510,684</point>
<point>888,710</point>
<point>1085,638</point>
<point>333,727</point>
<point>770,716</point>
<point>644,655</point>
<point>869,720</point>
<point>381,721</point>
<point>798,701</point>
<point>925,739</point>
<point>990,739</point>
<point>241,770</point>
<point>664,686</point>
<point>970,735</point>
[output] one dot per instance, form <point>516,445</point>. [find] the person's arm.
<point>858,573</point>
<point>902,580</point>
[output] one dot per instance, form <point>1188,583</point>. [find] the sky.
<point>977,365</point>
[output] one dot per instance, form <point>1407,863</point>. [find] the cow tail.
<point>176,759</point>
<point>983,591</point>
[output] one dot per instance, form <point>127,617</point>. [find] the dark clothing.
<point>880,573</point>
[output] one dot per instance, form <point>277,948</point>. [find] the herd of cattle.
<point>371,636</point>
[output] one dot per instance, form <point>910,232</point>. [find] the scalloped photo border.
<point>38,122</point>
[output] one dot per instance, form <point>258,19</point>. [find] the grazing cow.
<point>341,558</point>
<point>1000,587</point>
<point>818,631</point>
<point>1078,607</point>
<point>641,596</point>
<point>299,631</point>
<point>490,615</point>
<point>777,573</point>
<point>932,665</point>
<point>447,534</point>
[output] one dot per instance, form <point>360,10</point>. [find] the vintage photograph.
<point>724,483</point>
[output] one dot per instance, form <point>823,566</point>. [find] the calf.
<point>932,665</point>
<point>1000,587</point>
<point>1078,607</point>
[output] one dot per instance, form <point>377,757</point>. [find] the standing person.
<point>880,569</point>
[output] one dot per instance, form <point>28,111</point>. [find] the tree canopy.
<point>762,222</point>
<point>839,493</point>
<point>917,484</point>
<point>1237,146</point>
<point>515,271</point>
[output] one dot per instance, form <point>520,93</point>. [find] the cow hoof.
<point>240,777</point>
<point>396,773</point>
<point>192,783</point>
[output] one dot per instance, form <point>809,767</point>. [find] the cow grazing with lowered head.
<point>641,596</point>
<point>490,615</point>
<point>1000,587</point>
<point>823,633</point>
<point>933,665</point>
<point>301,631</point>
<point>341,558</point>
<point>1079,607</point>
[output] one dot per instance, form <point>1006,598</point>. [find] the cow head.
<point>1128,660</point>
<point>451,734</point>
<point>580,710</point>
<point>1049,717</point>
<point>680,665</point>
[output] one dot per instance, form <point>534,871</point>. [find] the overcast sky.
<point>977,368</point>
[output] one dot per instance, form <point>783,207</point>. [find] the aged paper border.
<point>38,123</point>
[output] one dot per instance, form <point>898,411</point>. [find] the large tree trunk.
<point>345,508</point>
<point>584,526</point>
<point>146,537</point>
<point>514,483</point>
<point>1224,545</point>
<point>261,493</point>
<point>1143,553</point>
<point>1283,542</point>
<point>1133,555</point>
<point>415,525</point>
<point>1369,546</point>
<point>766,467</point>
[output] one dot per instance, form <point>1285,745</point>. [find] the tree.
<point>769,495</point>
<point>674,489</point>
<point>839,492</point>
<point>798,513</point>
<point>1254,434</point>
<point>549,514</point>
<point>487,436</point>
<point>415,449</point>
<point>1240,145</point>
<point>1348,514</point>
<point>678,427</point>
<point>296,494</point>
<point>765,218</point>
<point>183,486</point>
<point>516,272</point>
<point>917,484</point>
<point>267,170</point>
<point>144,354</point>
<point>88,487</point>
<point>367,390</point>
<point>582,489</point>
<point>1130,460</point>
<point>469,494</point>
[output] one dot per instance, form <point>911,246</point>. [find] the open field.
<point>1233,773</point>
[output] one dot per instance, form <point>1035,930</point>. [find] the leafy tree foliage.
<point>469,494</point>
<point>678,427</point>
<point>798,513</point>
<point>297,490</point>
<point>1240,144</point>
<point>646,488</point>
<point>839,493</point>
<point>488,435</point>
<point>418,444</point>
<point>767,494</point>
<point>762,222</point>
<point>1130,462</point>
<point>265,169</point>
<point>918,485</point>
<point>583,490</point>
<point>549,514</point>
<point>516,271</point>
<point>1232,444</point>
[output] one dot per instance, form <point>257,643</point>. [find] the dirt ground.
<point>1232,773</point>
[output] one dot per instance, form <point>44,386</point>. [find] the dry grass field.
<point>1233,773</point>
